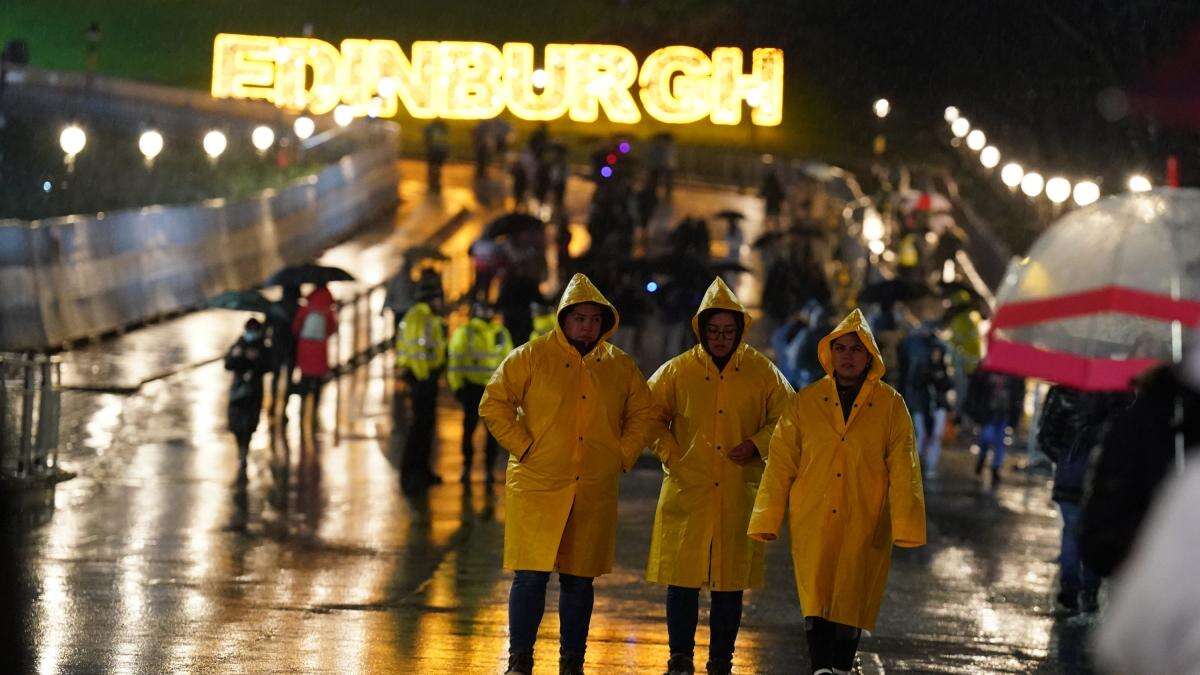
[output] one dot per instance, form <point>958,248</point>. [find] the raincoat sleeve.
<point>779,393</point>
<point>662,393</point>
<point>783,463</point>
<point>906,495</point>
<point>504,394</point>
<point>637,420</point>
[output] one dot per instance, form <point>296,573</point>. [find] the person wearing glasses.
<point>716,404</point>
<point>843,465</point>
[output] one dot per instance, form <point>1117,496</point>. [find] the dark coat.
<point>249,360</point>
<point>1137,454</point>
<point>1071,426</point>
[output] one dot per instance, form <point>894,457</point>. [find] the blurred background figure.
<point>249,360</point>
<point>314,324</point>
<point>476,349</point>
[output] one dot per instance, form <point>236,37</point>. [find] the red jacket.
<point>313,325</point>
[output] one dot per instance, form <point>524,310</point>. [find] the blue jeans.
<point>1074,575</point>
<point>527,603</point>
<point>724,620</point>
<point>991,437</point>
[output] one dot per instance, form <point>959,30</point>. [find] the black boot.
<point>680,664</point>
<point>520,663</point>
<point>980,462</point>
<point>718,667</point>
<point>570,664</point>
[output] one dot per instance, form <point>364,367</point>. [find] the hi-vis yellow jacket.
<point>851,489</point>
<point>476,350</point>
<point>571,424</point>
<point>421,341</point>
<point>704,506</point>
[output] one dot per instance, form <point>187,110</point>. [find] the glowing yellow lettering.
<point>244,66</point>
<point>527,101</point>
<point>762,88</point>
<point>476,80</point>
<point>599,76</point>
<point>675,84</point>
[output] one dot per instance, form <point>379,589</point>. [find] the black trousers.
<point>831,645</point>
<point>417,468</point>
<point>469,395</point>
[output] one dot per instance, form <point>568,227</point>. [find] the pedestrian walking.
<point>476,349</point>
<point>717,406</point>
<point>843,466</point>
<point>437,150</point>
<point>421,356</point>
<point>573,411</point>
<point>283,351</point>
<point>1070,428</point>
<point>991,404</point>
<point>249,360</point>
<point>926,380</point>
<point>314,324</point>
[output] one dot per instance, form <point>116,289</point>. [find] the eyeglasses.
<point>726,333</point>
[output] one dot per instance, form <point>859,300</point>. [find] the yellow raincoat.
<point>421,341</point>
<point>476,349</point>
<point>851,489</point>
<point>704,506</point>
<point>571,424</point>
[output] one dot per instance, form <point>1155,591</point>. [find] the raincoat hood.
<point>321,297</point>
<point>854,322</point>
<point>580,290</point>
<point>720,296</point>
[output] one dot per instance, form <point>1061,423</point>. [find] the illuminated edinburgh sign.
<point>476,80</point>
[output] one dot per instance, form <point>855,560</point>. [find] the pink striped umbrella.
<point>1105,293</point>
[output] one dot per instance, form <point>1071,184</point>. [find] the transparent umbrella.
<point>1106,292</point>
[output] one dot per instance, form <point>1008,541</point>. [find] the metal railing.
<point>30,403</point>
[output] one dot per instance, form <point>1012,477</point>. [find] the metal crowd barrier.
<point>29,412</point>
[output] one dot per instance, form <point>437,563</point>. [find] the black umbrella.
<point>893,290</point>
<point>731,215</point>
<point>248,301</point>
<point>510,224</point>
<point>308,274</point>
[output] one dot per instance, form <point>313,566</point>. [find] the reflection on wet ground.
<point>161,557</point>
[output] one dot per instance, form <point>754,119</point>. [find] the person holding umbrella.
<point>476,350</point>
<point>248,360</point>
<point>312,327</point>
<point>573,412</point>
<point>421,355</point>
<point>843,466</point>
<point>717,406</point>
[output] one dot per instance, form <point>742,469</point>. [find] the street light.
<point>1086,192</point>
<point>976,140</point>
<point>71,140</point>
<point>386,87</point>
<point>1032,184</point>
<point>303,127</point>
<point>1139,183</point>
<point>1011,174</point>
<point>214,144</point>
<point>540,79</point>
<point>989,157</point>
<point>343,115</point>
<point>882,107</point>
<point>960,127</point>
<point>262,137</point>
<point>150,143</point>
<point>951,114</point>
<point>872,226</point>
<point>1058,189</point>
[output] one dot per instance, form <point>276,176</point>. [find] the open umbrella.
<point>308,274</point>
<point>1105,293</point>
<point>248,301</point>
<point>510,224</point>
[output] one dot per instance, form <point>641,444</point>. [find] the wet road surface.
<point>160,558</point>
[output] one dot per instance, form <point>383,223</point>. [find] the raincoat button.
<point>576,477</point>
<point>835,510</point>
<point>585,395</point>
<point>715,483</point>
<point>718,447</point>
<point>722,412</point>
<point>839,475</point>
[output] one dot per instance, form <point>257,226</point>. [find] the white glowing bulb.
<point>989,157</point>
<point>976,140</point>
<point>262,137</point>
<point>71,140</point>
<point>951,113</point>
<point>882,107</point>
<point>1011,174</point>
<point>303,127</point>
<point>960,127</point>
<point>150,143</point>
<point>1086,192</point>
<point>1032,184</point>
<point>754,97</point>
<point>876,246</point>
<point>386,87</point>
<point>872,225</point>
<point>1139,183</point>
<point>540,79</point>
<point>282,54</point>
<point>343,115</point>
<point>1058,189</point>
<point>214,144</point>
